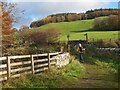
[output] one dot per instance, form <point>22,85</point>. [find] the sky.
<point>38,9</point>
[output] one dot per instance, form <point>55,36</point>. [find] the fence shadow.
<point>90,30</point>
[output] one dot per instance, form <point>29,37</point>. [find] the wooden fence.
<point>14,66</point>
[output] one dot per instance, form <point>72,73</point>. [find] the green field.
<point>77,29</point>
<point>93,35</point>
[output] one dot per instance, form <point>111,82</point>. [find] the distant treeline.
<point>68,17</point>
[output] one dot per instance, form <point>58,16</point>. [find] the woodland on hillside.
<point>68,17</point>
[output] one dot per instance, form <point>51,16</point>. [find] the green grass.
<point>53,78</point>
<point>92,35</point>
<point>101,70</point>
<point>67,27</point>
<point>98,71</point>
<point>77,29</point>
<point>104,60</point>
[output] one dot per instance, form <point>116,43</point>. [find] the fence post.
<point>32,64</point>
<point>8,68</point>
<point>49,60</point>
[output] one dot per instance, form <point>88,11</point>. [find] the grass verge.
<point>105,60</point>
<point>53,78</point>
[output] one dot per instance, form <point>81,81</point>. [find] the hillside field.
<point>77,29</point>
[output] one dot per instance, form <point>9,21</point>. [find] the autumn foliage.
<point>107,24</point>
<point>52,35</point>
<point>7,19</point>
<point>40,38</point>
<point>68,17</point>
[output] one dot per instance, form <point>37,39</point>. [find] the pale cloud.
<point>38,10</point>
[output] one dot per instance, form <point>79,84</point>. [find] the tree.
<point>38,38</point>
<point>100,24</point>
<point>54,18</point>
<point>69,18</point>
<point>75,17</point>
<point>15,29</point>
<point>63,18</point>
<point>47,19</point>
<point>109,23</point>
<point>32,25</point>
<point>24,27</point>
<point>7,21</point>
<point>113,21</point>
<point>52,35</point>
<point>59,19</point>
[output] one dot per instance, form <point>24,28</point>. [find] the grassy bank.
<point>101,71</point>
<point>109,60</point>
<point>54,78</point>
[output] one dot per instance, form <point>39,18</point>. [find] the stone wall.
<point>62,59</point>
<point>108,50</point>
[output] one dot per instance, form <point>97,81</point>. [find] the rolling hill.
<point>77,29</point>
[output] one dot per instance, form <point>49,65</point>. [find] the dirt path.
<point>95,77</point>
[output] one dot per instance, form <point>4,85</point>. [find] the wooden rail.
<point>14,66</point>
